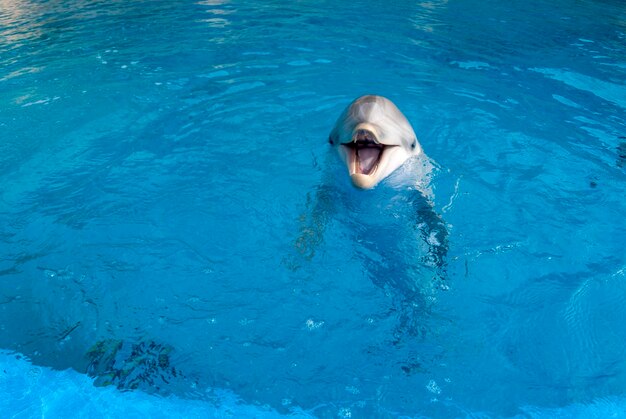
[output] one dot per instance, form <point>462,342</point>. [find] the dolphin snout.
<point>365,136</point>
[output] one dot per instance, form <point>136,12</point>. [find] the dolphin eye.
<point>330,140</point>
<point>413,145</point>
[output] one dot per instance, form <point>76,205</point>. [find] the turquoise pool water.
<point>176,237</point>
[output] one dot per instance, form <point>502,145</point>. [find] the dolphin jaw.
<point>390,158</point>
<point>357,175</point>
<point>367,161</point>
<point>363,181</point>
<point>365,156</point>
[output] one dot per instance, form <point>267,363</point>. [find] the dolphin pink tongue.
<point>368,157</point>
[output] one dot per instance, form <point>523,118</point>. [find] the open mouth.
<point>367,155</point>
<point>365,152</point>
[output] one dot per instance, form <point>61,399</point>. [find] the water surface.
<point>159,162</point>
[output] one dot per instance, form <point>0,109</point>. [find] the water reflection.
<point>213,2</point>
<point>20,72</point>
<point>216,22</point>
<point>17,23</point>
<point>426,18</point>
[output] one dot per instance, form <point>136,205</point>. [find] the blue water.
<point>175,235</point>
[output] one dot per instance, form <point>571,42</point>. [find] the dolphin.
<point>373,138</point>
<point>375,141</point>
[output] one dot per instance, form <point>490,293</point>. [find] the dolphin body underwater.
<point>397,221</point>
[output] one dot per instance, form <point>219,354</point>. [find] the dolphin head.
<point>373,138</point>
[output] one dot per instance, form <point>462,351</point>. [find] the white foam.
<point>27,391</point>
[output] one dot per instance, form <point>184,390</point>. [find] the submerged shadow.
<point>621,153</point>
<point>144,365</point>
